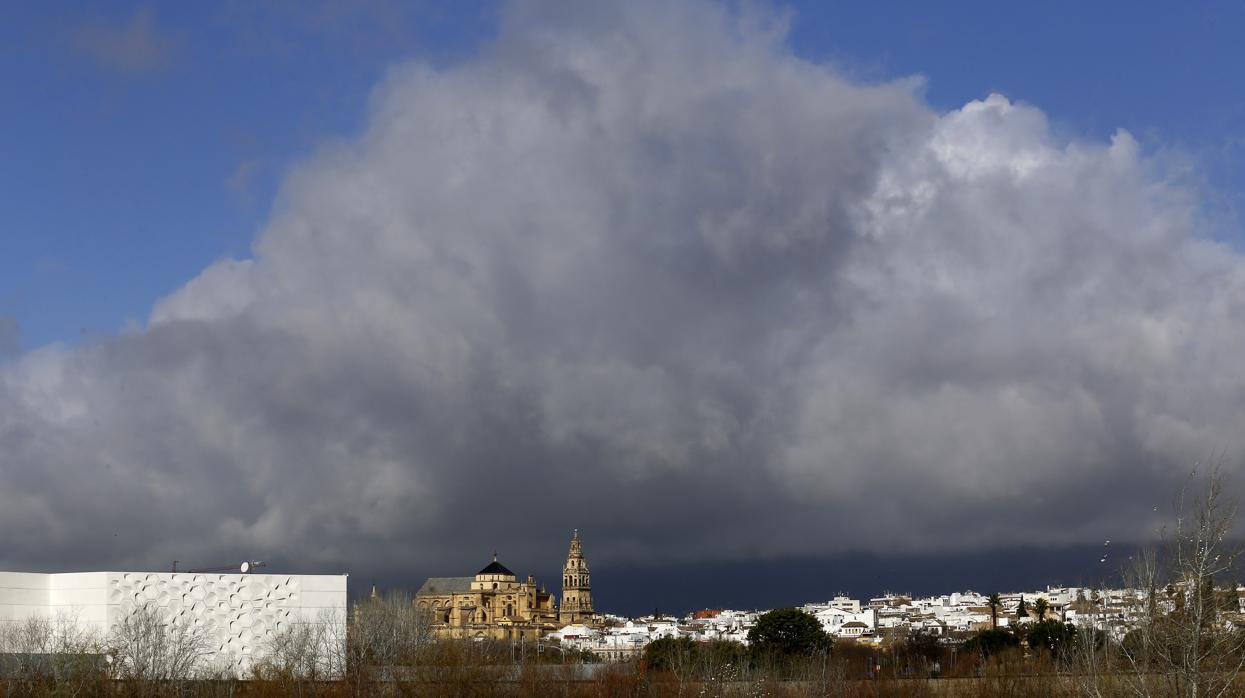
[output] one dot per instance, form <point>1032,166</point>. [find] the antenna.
<point>244,568</point>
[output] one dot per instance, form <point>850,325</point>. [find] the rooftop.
<point>496,567</point>
<point>445,585</point>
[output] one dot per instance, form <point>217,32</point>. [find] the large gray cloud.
<point>638,269</point>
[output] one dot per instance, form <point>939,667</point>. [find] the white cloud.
<point>642,262</point>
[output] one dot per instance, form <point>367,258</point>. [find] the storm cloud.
<point>636,268</point>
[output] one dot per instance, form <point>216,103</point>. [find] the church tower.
<point>576,586</point>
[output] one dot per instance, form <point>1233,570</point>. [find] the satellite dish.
<point>246,567</point>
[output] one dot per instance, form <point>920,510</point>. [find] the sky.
<point>743,292</point>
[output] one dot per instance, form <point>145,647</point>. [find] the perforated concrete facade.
<point>238,613</point>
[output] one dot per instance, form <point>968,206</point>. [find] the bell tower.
<point>576,586</point>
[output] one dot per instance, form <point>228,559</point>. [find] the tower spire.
<point>576,584</point>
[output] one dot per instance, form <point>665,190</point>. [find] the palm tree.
<point>994,602</point>
<point>1040,607</point>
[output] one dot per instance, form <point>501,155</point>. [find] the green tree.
<point>669,653</point>
<point>1057,638</point>
<point>994,602</point>
<point>987,642</point>
<point>788,631</point>
<point>1022,611</point>
<point>684,655</point>
<point>1040,607</point>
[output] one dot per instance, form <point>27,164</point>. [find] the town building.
<point>492,604</point>
<point>495,604</point>
<point>844,623</point>
<point>237,616</point>
<point>576,586</point>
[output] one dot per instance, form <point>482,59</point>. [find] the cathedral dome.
<point>495,567</point>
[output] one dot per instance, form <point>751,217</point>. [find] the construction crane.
<point>244,568</point>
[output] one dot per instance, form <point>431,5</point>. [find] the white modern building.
<point>238,614</point>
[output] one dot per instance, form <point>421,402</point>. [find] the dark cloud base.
<point>634,590</point>
<point>795,581</point>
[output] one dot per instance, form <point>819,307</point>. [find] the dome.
<point>495,567</point>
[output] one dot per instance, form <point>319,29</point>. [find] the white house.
<point>841,623</point>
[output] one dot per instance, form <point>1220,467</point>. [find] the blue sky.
<point>128,171</point>
<point>143,141</point>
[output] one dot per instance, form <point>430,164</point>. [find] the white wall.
<point>238,613</point>
<point>22,594</point>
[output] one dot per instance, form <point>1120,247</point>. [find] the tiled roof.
<point>446,585</point>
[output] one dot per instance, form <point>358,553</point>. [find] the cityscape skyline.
<point>634,590</point>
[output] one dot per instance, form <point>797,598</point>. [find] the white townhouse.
<point>846,624</point>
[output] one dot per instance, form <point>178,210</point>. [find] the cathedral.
<point>495,604</point>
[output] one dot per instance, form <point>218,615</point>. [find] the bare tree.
<point>291,653</point>
<point>313,650</point>
<point>387,636</point>
<point>1177,638</point>
<point>147,650</point>
<point>56,654</point>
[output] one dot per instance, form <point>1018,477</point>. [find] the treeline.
<point>389,651</point>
